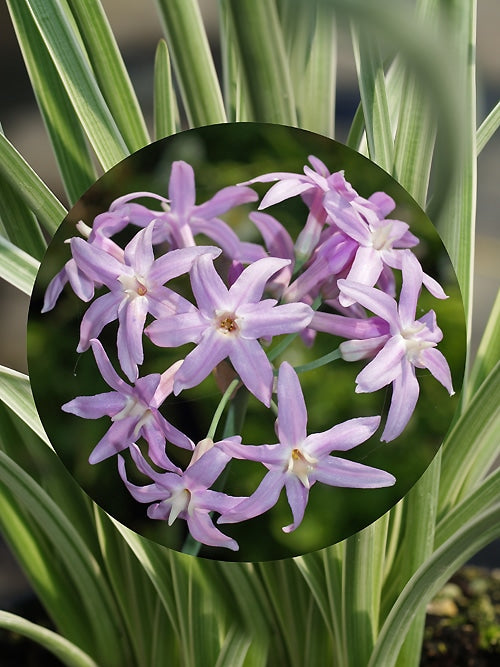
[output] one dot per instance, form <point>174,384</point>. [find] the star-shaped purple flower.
<point>410,344</point>
<point>136,287</point>
<point>299,460</point>
<point>134,412</point>
<point>227,323</point>
<point>187,494</point>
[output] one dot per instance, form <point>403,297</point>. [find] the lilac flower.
<point>228,323</point>
<point>380,241</point>
<point>187,494</point>
<point>133,411</point>
<point>82,285</point>
<point>136,288</point>
<point>411,344</point>
<point>299,460</point>
<point>312,186</point>
<point>182,219</point>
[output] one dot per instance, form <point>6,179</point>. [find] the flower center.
<point>133,286</point>
<point>415,345</point>
<point>179,502</point>
<point>301,465</point>
<point>226,323</point>
<point>380,237</point>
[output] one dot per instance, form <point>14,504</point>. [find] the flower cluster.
<point>337,276</point>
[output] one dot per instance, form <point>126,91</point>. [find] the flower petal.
<point>262,499</point>
<point>101,312</point>
<point>181,188</point>
<point>93,407</point>
<point>405,393</point>
<point>253,367</point>
<point>384,368</point>
<point>341,437</point>
<point>297,496</point>
<point>202,529</point>
<point>435,361</point>
<point>212,349</point>
<point>261,321</point>
<point>250,285</point>
<point>177,330</point>
<point>335,471</point>
<point>292,412</point>
<point>373,299</point>
<point>132,317</point>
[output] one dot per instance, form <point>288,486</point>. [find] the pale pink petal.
<point>384,368</point>
<point>212,349</point>
<point>181,187</point>
<point>341,437</point>
<point>410,289</point>
<point>106,369</point>
<point>297,496</point>
<point>262,499</point>
<point>292,411</point>
<point>366,269</point>
<point>102,311</point>
<point>435,361</point>
<point>177,329</point>
<point>208,287</point>
<point>132,317</point>
<point>203,530</point>
<point>378,302</point>
<point>94,407</point>
<point>250,285</point>
<point>258,321</point>
<point>335,471</point>
<point>405,393</point>
<point>224,200</point>
<point>253,367</point>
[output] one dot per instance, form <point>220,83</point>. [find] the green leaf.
<point>55,23</point>
<point>488,352</point>
<point>63,649</point>
<point>193,63</point>
<point>362,584</point>
<point>476,501</point>
<point>234,84</point>
<point>263,60</point>
<point>465,464</point>
<point>29,187</point>
<point>65,132</point>
<point>488,128</point>
<point>371,80</point>
<point>17,267</point>
<point>111,75</point>
<point>429,578</point>
<point>97,604</point>
<point>166,114</point>
<point>417,543</point>
<point>19,223</point>
<point>310,42</point>
<point>15,391</point>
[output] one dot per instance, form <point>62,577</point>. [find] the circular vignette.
<point>222,156</point>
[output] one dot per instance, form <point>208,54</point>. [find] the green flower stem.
<point>262,54</point>
<point>192,60</point>
<point>220,408</point>
<point>321,361</point>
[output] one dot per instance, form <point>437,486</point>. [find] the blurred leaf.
<point>472,444</point>
<point>488,352</point>
<point>110,72</point>
<point>67,652</point>
<point>63,127</point>
<point>165,102</point>
<point>193,63</point>
<point>488,128</point>
<point>262,57</point>
<point>17,267</point>
<point>311,45</point>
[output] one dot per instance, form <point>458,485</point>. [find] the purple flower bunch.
<point>336,277</point>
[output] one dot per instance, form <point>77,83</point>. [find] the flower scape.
<point>337,277</point>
